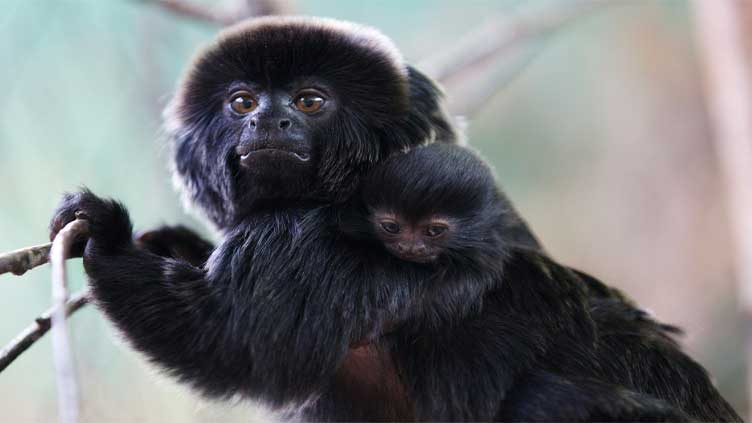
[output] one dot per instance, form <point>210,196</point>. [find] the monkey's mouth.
<point>303,157</point>
<point>248,155</point>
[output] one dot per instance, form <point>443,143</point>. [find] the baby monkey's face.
<point>419,241</point>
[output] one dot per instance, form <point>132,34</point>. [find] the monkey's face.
<point>280,132</point>
<point>418,241</point>
<point>278,126</point>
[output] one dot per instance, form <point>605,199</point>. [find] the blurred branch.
<point>490,39</point>
<point>19,261</point>
<point>511,45</point>
<point>728,87</point>
<point>480,86</point>
<point>36,330</point>
<point>243,10</point>
<point>67,386</point>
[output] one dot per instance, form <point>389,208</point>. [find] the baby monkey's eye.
<point>309,103</point>
<point>243,102</point>
<point>390,227</point>
<point>436,230</point>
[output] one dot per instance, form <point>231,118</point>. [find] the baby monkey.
<point>438,203</point>
<point>439,211</point>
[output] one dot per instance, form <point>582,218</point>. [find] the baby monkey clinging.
<point>435,203</point>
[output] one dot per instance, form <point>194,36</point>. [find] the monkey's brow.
<point>385,214</point>
<point>438,219</point>
<point>242,84</point>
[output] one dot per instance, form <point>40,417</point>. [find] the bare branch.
<point>493,37</point>
<point>487,59</point>
<point>244,9</point>
<point>36,330</point>
<point>728,87</point>
<point>194,11</point>
<point>480,86</point>
<point>19,261</point>
<point>267,7</point>
<point>67,386</point>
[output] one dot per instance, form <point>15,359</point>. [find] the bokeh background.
<point>602,140</point>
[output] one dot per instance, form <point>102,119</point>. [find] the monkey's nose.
<point>420,249</point>
<point>284,123</point>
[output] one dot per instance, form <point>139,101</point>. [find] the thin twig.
<point>243,10</point>
<point>194,11</point>
<point>480,87</point>
<point>493,37</point>
<point>36,330</point>
<point>19,261</point>
<point>728,87</point>
<point>67,386</point>
<point>489,58</point>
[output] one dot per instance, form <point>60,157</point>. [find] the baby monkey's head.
<point>434,201</point>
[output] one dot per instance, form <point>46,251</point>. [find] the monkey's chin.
<point>270,175</point>
<point>427,259</point>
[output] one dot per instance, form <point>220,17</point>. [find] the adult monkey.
<point>273,125</point>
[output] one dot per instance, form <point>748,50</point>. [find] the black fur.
<point>290,311</point>
<point>546,397</point>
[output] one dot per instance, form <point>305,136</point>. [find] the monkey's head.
<point>293,110</point>
<point>435,204</point>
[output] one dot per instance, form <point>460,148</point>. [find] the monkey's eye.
<point>309,103</point>
<point>243,102</point>
<point>390,227</point>
<point>436,230</point>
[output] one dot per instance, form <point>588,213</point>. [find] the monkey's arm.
<point>165,307</point>
<point>176,242</point>
<point>212,327</point>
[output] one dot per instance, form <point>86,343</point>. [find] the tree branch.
<point>487,59</point>
<point>728,87</point>
<point>19,261</point>
<point>36,330</point>
<point>67,386</point>
<point>244,9</point>
<point>486,42</point>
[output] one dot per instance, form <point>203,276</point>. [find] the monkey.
<point>272,125</point>
<point>272,130</point>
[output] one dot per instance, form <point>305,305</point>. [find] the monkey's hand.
<point>176,242</point>
<point>109,224</point>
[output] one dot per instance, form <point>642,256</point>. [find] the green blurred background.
<point>602,141</point>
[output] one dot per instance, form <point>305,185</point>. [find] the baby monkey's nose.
<point>420,249</point>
